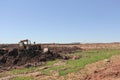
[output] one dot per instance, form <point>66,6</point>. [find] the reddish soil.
<point>109,72</point>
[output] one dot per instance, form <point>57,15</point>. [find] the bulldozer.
<point>31,50</point>
<point>26,45</point>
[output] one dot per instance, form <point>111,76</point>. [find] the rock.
<point>107,60</point>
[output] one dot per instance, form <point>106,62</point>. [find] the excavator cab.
<point>24,44</point>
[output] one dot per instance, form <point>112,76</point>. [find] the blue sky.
<point>60,20</point>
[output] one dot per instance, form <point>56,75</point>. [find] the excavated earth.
<point>11,58</point>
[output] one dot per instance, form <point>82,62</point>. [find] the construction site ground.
<point>85,67</point>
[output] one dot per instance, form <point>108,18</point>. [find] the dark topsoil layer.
<point>13,59</point>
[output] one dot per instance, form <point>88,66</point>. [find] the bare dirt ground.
<point>108,69</point>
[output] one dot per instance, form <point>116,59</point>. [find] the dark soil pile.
<point>11,58</point>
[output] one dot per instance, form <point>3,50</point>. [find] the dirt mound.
<point>13,58</point>
<point>64,50</point>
